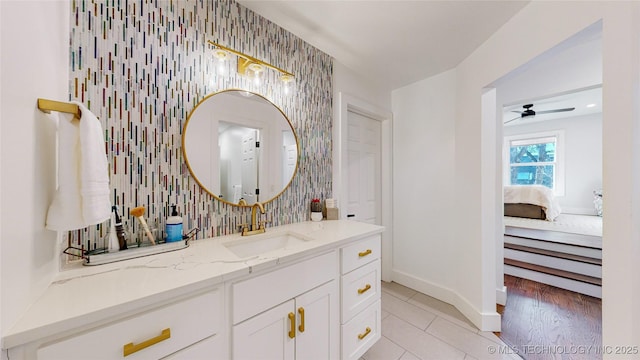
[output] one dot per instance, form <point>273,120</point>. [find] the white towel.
<point>82,198</point>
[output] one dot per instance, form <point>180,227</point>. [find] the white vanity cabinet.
<point>187,329</point>
<point>289,313</point>
<point>318,299</point>
<point>360,288</point>
<point>300,328</point>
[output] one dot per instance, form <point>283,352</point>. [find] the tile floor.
<point>417,326</point>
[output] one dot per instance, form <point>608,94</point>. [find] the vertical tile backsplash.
<point>141,66</point>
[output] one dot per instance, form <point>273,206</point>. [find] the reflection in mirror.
<point>238,145</point>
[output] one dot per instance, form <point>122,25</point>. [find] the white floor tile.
<point>384,314</point>
<point>465,340</point>
<point>384,349</point>
<point>448,334</point>
<point>441,309</point>
<point>419,343</point>
<point>407,312</point>
<point>491,336</point>
<point>397,290</point>
<point>409,356</point>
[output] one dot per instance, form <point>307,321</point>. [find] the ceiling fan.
<point>529,112</point>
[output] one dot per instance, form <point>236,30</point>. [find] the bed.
<point>530,201</point>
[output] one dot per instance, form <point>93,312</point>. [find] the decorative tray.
<point>145,249</point>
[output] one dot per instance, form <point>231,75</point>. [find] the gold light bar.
<point>250,59</point>
<point>47,106</point>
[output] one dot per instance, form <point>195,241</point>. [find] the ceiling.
<point>393,43</point>
<point>585,101</point>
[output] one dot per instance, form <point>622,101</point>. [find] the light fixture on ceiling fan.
<point>530,113</point>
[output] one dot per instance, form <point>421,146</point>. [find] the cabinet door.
<point>267,335</point>
<point>317,334</point>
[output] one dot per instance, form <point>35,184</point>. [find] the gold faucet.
<point>256,227</point>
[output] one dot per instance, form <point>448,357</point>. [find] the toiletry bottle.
<point>114,244</point>
<point>174,226</point>
<point>122,240</point>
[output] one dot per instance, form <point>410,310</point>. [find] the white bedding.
<point>533,194</point>
<point>569,223</point>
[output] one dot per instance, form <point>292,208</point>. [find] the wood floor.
<point>544,322</point>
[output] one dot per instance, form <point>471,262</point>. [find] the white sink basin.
<point>259,244</point>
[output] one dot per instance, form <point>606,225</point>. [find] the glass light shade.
<point>288,82</point>
<point>221,57</point>
<point>256,73</point>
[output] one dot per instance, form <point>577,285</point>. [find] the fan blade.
<point>516,111</point>
<point>515,118</point>
<point>554,111</point>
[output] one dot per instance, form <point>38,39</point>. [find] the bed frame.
<point>525,211</point>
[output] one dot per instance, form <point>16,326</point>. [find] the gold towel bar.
<point>48,106</point>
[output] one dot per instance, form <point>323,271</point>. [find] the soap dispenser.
<point>174,226</point>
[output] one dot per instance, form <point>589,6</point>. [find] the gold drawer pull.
<point>364,289</point>
<point>301,312</point>
<point>365,253</point>
<point>364,335</point>
<point>130,348</point>
<point>292,319</point>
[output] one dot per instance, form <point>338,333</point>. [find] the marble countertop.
<point>89,295</point>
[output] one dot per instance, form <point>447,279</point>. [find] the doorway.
<point>574,64</point>
<point>363,164</point>
<point>349,104</point>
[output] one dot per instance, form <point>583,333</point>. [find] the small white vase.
<point>316,216</point>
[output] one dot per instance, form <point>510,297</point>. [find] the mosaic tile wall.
<point>141,66</point>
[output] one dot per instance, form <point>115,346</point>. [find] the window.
<point>535,159</point>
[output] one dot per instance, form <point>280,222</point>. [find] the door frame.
<point>346,103</point>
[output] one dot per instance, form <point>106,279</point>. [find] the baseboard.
<point>501,296</point>
<point>487,321</point>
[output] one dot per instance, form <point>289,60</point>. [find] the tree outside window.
<point>533,159</point>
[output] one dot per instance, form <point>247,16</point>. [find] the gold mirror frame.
<point>191,170</point>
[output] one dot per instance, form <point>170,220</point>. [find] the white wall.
<point>424,249</point>
<point>516,43</point>
<point>583,158</point>
<point>347,82</point>
<point>34,48</point>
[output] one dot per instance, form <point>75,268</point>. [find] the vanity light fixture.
<point>251,67</point>
<point>221,57</point>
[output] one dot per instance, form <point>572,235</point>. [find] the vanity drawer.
<point>360,288</point>
<point>359,334</point>
<point>360,253</point>
<point>260,293</point>
<point>187,321</point>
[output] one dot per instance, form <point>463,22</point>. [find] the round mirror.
<point>240,147</point>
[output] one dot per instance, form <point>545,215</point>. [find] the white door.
<point>317,321</point>
<point>363,168</point>
<point>266,336</point>
<point>250,167</point>
<point>290,159</point>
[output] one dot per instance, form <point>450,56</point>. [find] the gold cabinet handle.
<point>364,334</point>
<point>364,289</point>
<point>292,319</point>
<point>365,253</point>
<point>301,326</point>
<point>130,348</point>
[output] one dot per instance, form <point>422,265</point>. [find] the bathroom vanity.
<point>309,291</point>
